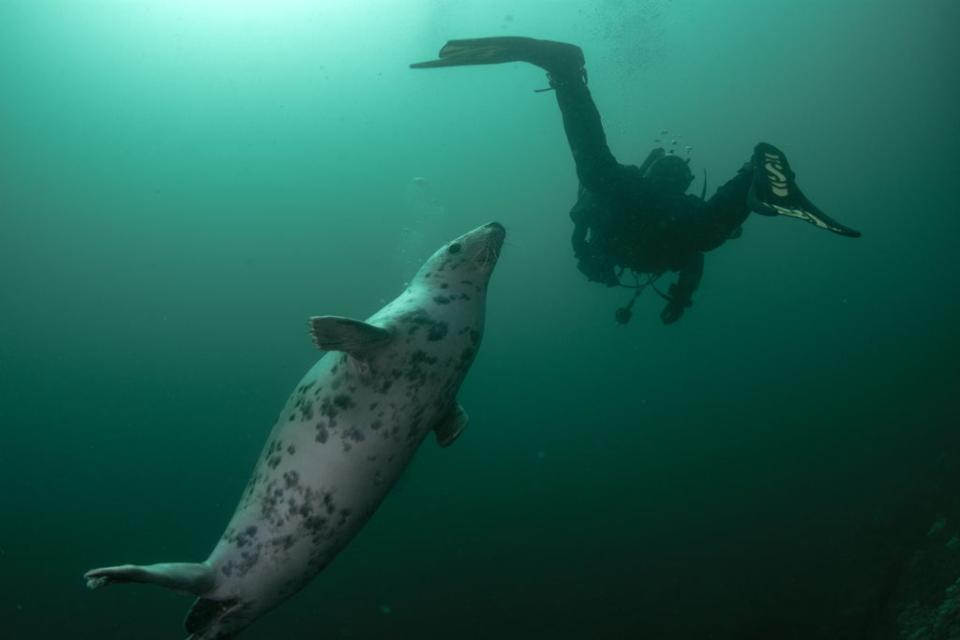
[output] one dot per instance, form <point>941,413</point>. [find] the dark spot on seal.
<point>343,401</point>
<point>291,479</point>
<point>327,409</point>
<point>322,434</point>
<point>315,524</point>
<point>466,357</point>
<point>437,332</point>
<point>291,449</point>
<point>441,299</point>
<point>241,538</point>
<point>375,425</point>
<point>454,248</point>
<point>306,410</point>
<point>421,356</point>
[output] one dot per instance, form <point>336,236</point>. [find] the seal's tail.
<point>189,577</point>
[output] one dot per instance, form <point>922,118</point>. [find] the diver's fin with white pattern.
<point>774,192</point>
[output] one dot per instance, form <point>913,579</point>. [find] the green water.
<point>183,183</point>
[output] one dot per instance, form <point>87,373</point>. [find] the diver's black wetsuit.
<point>621,220</point>
<point>640,218</point>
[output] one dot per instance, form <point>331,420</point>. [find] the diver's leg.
<point>597,169</point>
<point>724,212</point>
<point>681,293</point>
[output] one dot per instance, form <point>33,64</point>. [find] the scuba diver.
<point>640,219</point>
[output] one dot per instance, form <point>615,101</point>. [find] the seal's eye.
<point>454,248</point>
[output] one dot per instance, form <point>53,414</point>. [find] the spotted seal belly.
<point>344,436</point>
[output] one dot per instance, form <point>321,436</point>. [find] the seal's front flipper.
<point>774,192</point>
<point>451,426</point>
<point>359,339</point>
<point>205,613</point>
<point>189,577</point>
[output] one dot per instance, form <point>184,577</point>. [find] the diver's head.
<point>669,175</point>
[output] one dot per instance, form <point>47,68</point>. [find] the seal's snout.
<point>495,233</point>
<point>489,241</point>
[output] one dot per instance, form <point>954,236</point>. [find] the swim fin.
<point>555,57</point>
<point>774,192</point>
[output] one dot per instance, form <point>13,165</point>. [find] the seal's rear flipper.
<point>774,192</point>
<point>333,333</point>
<point>189,577</point>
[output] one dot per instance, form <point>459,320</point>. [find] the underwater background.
<point>183,183</point>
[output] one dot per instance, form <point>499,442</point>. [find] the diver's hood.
<point>668,172</point>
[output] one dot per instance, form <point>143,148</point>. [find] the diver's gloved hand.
<point>679,302</point>
<point>597,270</point>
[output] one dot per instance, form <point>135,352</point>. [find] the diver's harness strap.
<point>625,313</point>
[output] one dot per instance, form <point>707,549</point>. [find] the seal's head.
<point>471,257</point>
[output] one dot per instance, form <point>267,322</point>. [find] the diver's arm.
<point>681,293</point>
